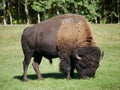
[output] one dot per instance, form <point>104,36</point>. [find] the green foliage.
<point>1,6</point>
<point>88,9</point>
<point>96,11</point>
<point>41,6</point>
<point>11,67</point>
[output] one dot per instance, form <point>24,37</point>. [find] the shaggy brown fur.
<point>74,32</point>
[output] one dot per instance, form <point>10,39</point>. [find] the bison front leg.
<point>65,64</point>
<point>35,64</point>
<point>72,69</point>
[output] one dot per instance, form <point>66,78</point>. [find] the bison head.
<point>87,60</point>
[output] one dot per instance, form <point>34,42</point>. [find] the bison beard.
<point>89,62</point>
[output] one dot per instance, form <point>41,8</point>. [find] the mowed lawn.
<point>11,69</point>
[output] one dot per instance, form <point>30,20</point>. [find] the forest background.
<point>35,11</point>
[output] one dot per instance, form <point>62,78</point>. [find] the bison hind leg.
<point>36,63</point>
<point>27,58</point>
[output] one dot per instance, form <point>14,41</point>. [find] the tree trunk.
<point>96,21</point>
<point>9,12</point>
<point>10,17</point>
<point>118,9</point>
<point>18,11</point>
<point>4,12</point>
<point>27,12</point>
<point>38,16</point>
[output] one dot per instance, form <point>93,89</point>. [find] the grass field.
<point>11,57</point>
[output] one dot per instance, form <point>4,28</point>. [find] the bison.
<point>68,37</point>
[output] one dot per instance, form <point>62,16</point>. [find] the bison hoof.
<point>85,77</point>
<point>25,80</point>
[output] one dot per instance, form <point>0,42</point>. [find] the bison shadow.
<point>46,75</point>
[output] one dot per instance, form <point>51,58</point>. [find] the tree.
<point>36,6</point>
<point>9,10</point>
<point>32,11</point>
<point>25,3</point>
<point>118,10</point>
<point>84,7</point>
<point>4,12</point>
<point>41,7</point>
<point>18,3</point>
<point>108,11</point>
<point>26,11</point>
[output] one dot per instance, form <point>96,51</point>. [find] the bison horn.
<point>78,57</point>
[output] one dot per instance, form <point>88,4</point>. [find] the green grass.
<point>107,76</point>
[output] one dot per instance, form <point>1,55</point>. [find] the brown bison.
<point>68,37</point>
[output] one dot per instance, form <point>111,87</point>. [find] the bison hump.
<point>73,33</point>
